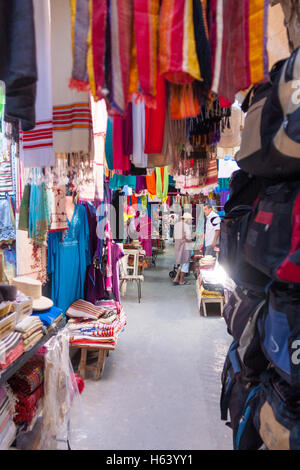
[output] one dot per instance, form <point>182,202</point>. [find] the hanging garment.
<point>151,184</point>
<point>120,160</point>
<point>202,42</point>
<point>183,102</point>
<point>7,228</point>
<point>39,213</point>
<point>18,68</point>
<point>155,119</point>
<point>121,27</point>
<point>116,254</point>
<point>58,217</point>
<point>108,267</point>
<point>162,183</point>
<point>24,209</point>
<point>139,158</point>
<point>98,35</point>
<point>36,145</point>
<point>146,23</point>
<point>240,51</point>
<point>119,181</point>
<point>177,48</point>
<point>80,29</point>
<point>99,116</point>
<point>94,282</point>
<point>68,260</point>
<point>127,134</point>
<point>72,120</point>
<point>109,144</point>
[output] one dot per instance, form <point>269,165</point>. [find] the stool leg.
<point>100,364</point>
<point>82,364</point>
<point>139,291</point>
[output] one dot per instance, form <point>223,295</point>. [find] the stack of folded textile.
<point>101,332</point>
<point>11,347</point>
<point>28,389</point>
<point>84,309</point>
<point>7,426</point>
<point>7,318</point>
<point>50,317</point>
<point>31,329</point>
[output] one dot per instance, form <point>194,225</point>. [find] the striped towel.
<point>84,309</point>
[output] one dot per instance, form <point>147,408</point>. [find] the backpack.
<point>243,191</point>
<point>270,143</point>
<point>277,414</point>
<point>237,401</point>
<point>241,313</point>
<point>279,330</point>
<point>272,244</point>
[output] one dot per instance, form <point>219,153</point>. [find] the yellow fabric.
<point>190,59</point>
<point>90,58</point>
<point>256,39</point>
<point>73,15</point>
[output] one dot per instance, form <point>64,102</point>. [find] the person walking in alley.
<point>183,237</point>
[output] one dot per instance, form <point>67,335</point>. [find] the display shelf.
<point>20,361</point>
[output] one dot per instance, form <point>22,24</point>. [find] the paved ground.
<point>161,386</point>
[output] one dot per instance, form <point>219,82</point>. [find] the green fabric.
<point>119,181</point>
<point>162,188</point>
<point>24,209</point>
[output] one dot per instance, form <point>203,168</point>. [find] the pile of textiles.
<point>7,318</point>
<point>84,309</point>
<point>11,347</point>
<point>209,293</point>
<point>27,387</point>
<point>50,317</point>
<point>8,428</point>
<point>102,332</point>
<point>31,329</point>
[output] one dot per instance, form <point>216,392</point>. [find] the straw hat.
<point>33,288</point>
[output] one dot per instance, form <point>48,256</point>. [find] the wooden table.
<point>83,366</point>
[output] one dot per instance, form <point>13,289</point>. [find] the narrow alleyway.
<point>160,388</point>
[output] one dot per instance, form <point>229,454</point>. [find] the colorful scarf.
<point>109,274</point>
<point>120,16</point>
<point>27,379</point>
<point>151,184</point>
<point>162,183</point>
<point>98,36</point>
<point>239,32</point>
<point>80,30</point>
<point>177,47</point>
<point>183,102</point>
<point>155,119</point>
<point>146,23</point>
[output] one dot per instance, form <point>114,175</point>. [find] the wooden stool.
<point>83,366</point>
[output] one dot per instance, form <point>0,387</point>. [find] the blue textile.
<point>118,181</point>
<point>109,144</point>
<point>48,316</point>
<point>69,259</point>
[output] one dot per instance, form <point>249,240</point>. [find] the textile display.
<point>7,227</point>
<point>99,117</point>
<point>72,120</point>
<point>84,309</point>
<point>8,429</point>
<point>80,31</point>
<point>26,406</point>
<point>139,158</point>
<point>6,177</point>
<point>36,149</point>
<point>49,316</point>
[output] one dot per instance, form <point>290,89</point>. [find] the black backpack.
<point>270,144</point>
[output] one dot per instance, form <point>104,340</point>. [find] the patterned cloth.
<point>27,379</point>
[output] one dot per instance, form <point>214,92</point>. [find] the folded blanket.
<point>12,355</point>
<point>27,323</point>
<point>8,343</point>
<point>32,341</point>
<point>47,317</point>
<point>82,308</point>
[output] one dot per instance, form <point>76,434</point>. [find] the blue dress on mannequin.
<point>68,260</point>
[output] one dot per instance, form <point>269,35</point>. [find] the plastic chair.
<point>130,273</point>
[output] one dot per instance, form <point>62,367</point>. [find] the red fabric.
<point>155,119</point>
<point>99,42</point>
<point>120,161</point>
<point>264,218</point>
<point>288,271</point>
<point>146,21</point>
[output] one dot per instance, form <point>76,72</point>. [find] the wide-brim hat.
<point>33,288</point>
<point>187,216</point>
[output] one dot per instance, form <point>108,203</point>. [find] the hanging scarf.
<point>120,15</point>
<point>109,275</point>
<point>162,183</point>
<point>177,48</point>
<point>183,102</point>
<point>98,36</point>
<point>80,29</point>
<point>155,119</point>
<point>146,22</point>
<point>240,53</point>
<point>120,160</point>
<point>151,184</point>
